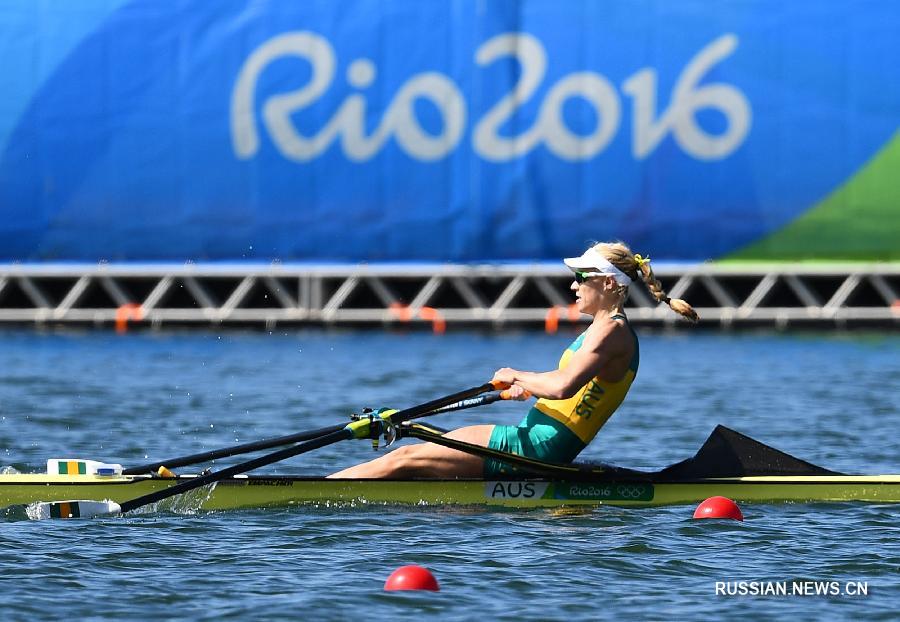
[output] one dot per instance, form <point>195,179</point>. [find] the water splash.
<point>187,504</point>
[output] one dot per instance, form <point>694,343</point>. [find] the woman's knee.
<point>405,458</point>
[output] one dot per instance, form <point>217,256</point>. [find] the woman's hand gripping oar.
<point>369,427</point>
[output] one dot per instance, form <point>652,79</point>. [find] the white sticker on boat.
<point>515,490</point>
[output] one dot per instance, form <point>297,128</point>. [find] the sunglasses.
<point>581,277</point>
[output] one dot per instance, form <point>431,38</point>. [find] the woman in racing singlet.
<point>574,401</point>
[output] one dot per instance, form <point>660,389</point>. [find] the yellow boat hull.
<point>280,491</point>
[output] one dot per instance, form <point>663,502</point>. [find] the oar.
<point>299,437</point>
<point>354,429</point>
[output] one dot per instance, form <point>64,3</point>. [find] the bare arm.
<point>603,344</point>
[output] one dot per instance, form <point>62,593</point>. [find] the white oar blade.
<point>72,509</point>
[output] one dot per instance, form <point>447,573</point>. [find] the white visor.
<point>595,264</point>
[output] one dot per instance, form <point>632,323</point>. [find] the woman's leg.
<point>426,459</point>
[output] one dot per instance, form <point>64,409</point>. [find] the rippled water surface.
<point>832,399</point>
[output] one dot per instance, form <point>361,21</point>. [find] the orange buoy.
<point>411,578</point>
<point>719,507</point>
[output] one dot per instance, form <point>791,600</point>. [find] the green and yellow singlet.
<point>557,430</point>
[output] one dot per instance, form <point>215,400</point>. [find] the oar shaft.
<point>473,402</point>
<point>225,452</point>
<point>429,407</point>
<point>196,482</point>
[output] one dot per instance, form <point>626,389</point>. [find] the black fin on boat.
<point>727,453</point>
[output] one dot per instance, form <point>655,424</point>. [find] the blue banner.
<point>385,130</point>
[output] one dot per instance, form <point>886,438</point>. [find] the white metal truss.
<point>431,294</point>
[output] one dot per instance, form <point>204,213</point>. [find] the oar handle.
<point>506,395</point>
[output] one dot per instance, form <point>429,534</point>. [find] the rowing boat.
<point>246,492</point>
<point>729,464</point>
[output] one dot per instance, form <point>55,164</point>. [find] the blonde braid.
<point>619,255</point>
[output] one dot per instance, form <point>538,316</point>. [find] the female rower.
<point>594,374</point>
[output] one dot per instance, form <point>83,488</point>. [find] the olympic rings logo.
<point>610,491</point>
<point>631,492</point>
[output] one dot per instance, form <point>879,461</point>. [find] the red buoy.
<point>718,507</point>
<point>411,578</point>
